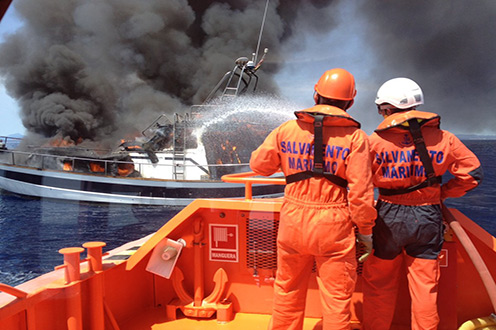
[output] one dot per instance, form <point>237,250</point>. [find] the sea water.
<point>33,230</point>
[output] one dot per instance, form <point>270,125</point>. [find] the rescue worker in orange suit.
<point>410,153</point>
<point>322,202</point>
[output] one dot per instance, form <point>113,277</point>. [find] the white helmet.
<point>402,93</point>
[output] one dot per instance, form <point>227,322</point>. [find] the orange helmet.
<point>337,84</point>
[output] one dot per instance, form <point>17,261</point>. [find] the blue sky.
<point>11,122</point>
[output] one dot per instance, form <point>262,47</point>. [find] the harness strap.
<point>318,162</point>
<point>337,180</point>
<point>318,154</point>
<point>419,142</point>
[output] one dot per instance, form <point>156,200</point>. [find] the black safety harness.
<point>318,162</point>
<point>421,149</point>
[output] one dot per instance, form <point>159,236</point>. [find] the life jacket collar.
<point>333,116</point>
<point>400,120</point>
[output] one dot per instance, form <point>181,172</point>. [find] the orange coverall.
<point>317,216</point>
<point>409,227</point>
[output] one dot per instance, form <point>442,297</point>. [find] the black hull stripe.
<point>137,190</point>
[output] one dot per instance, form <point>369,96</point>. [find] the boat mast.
<point>261,31</point>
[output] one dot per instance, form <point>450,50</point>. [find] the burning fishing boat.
<point>173,162</point>
<point>179,157</point>
<point>86,94</point>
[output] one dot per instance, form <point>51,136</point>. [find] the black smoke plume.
<point>95,70</point>
<point>103,69</point>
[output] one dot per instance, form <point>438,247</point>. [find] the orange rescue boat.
<point>212,266</point>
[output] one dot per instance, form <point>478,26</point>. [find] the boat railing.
<point>42,161</point>
<point>111,167</point>
<point>251,178</point>
<point>9,142</point>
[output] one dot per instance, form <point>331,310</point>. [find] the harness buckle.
<point>418,140</point>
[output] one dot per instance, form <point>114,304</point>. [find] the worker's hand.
<point>366,241</point>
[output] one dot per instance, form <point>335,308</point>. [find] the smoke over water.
<point>447,47</point>
<point>101,70</point>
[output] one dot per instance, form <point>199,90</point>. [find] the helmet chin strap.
<point>395,110</point>
<point>350,103</point>
<point>389,111</point>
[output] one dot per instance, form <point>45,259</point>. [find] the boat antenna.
<point>261,30</point>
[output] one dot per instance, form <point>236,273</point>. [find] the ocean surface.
<point>32,231</point>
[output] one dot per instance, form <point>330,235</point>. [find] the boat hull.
<point>122,190</point>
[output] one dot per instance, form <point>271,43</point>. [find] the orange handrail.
<point>472,253</point>
<point>12,291</point>
<point>249,178</point>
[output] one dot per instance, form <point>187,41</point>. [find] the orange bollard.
<point>71,263</point>
<point>73,292</point>
<point>96,287</point>
<point>95,255</point>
